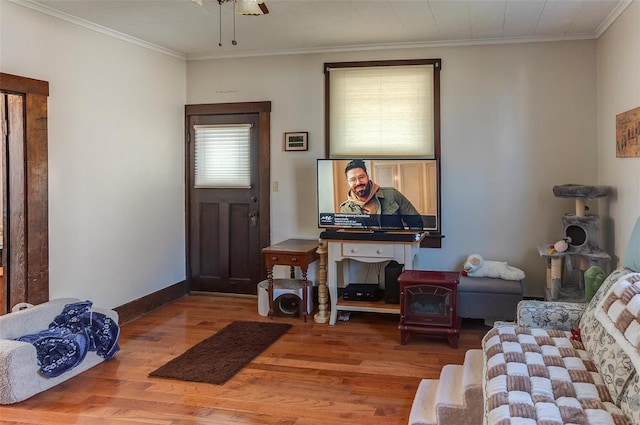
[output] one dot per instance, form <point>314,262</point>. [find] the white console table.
<point>367,252</point>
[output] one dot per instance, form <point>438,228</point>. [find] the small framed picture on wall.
<point>296,141</point>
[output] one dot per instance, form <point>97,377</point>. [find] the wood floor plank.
<point>353,373</point>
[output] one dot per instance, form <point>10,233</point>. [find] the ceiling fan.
<point>244,7</point>
<point>248,7</point>
<point>240,7</point>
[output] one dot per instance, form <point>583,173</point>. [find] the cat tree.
<point>581,233</point>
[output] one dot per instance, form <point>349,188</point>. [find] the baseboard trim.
<point>223,294</point>
<point>138,308</point>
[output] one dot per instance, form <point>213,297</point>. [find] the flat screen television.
<point>379,195</point>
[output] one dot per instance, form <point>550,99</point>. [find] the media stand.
<point>367,251</point>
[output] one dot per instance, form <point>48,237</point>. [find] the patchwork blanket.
<point>72,334</point>
<point>543,377</point>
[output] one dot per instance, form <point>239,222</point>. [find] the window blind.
<point>382,111</point>
<point>222,156</point>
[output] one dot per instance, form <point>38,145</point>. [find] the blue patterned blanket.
<point>72,334</point>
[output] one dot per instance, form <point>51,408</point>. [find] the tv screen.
<point>378,194</point>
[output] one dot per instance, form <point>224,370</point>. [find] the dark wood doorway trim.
<point>263,109</point>
<point>26,236</point>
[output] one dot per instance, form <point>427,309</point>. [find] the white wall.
<point>116,156</point>
<point>619,91</point>
<point>517,119</point>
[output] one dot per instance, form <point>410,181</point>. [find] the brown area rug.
<point>219,357</point>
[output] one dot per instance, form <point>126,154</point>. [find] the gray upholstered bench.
<point>488,298</point>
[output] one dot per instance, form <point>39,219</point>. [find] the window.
<point>386,108</point>
<point>222,156</point>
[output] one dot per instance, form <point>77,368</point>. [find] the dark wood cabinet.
<point>428,304</point>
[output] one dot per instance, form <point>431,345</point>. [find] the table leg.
<point>332,277</point>
<point>323,293</point>
<point>304,293</point>
<point>453,340</point>
<point>270,290</point>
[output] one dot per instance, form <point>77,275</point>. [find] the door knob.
<point>253,218</point>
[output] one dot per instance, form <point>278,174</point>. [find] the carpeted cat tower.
<point>580,230</point>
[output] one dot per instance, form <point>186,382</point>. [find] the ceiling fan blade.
<point>251,7</point>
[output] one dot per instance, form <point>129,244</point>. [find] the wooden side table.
<point>293,253</point>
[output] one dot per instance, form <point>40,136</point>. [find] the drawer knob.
<point>274,258</point>
<point>378,251</point>
<point>294,259</point>
<point>353,250</point>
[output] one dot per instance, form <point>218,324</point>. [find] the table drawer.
<point>367,250</point>
<point>284,259</point>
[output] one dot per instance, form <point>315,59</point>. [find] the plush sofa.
<point>558,363</point>
<point>566,363</point>
<point>543,368</point>
<point>20,377</point>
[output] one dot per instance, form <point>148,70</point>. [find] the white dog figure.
<point>476,266</point>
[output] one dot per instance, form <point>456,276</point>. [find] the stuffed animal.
<point>593,278</point>
<point>561,246</point>
<point>476,266</point>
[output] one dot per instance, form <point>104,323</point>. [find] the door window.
<point>222,156</point>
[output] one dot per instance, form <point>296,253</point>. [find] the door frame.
<point>27,225</point>
<point>263,109</point>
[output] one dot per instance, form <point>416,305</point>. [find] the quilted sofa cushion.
<point>631,258</point>
<point>619,313</point>
<point>612,362</point>
<point>538,376</point>
<point>630,400</point>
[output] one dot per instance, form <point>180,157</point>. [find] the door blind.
<point>382,111</point>
<point>222,156</point>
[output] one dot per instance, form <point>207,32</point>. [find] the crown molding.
<point>356,48</point>
<point>95,27</point>
<point>617,11</point>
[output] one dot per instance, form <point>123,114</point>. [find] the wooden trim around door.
<point>27,278</point>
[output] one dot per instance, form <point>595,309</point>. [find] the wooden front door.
<point>228,225</point>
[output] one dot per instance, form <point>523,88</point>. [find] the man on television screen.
<point>387,207</point>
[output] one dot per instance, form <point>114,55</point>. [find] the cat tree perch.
<point>581,232</point>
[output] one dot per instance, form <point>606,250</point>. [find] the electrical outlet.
<point>274,185</point>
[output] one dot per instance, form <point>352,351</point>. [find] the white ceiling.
<point>185,29</point>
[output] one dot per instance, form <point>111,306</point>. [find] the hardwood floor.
<point>355,372</point>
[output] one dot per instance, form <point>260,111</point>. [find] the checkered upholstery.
<point>622,307</point>
<point>537,376</point>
